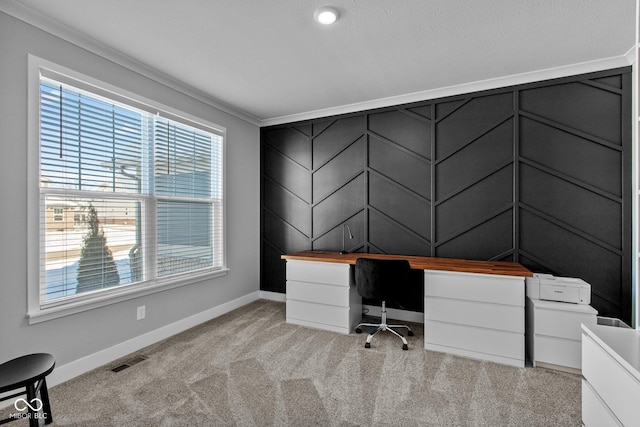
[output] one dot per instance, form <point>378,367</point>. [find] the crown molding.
<point>495,83</point>
<point>632,54</point>
<point>45,23</point>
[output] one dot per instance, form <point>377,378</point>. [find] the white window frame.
<point>37,311</point>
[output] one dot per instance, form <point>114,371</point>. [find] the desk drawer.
<point>318,293</point>
<point>318,272</point>
<point>594,412</point>
<point>558,351</point>
<point>486,341</point>
<point>616,386</point>
<point>475,287</point>
<point>562,324</point>
<point>493,316</point>
<point>318,313</point>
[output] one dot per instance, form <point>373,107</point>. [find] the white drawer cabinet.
<point>475,315</point>
<point>499,317</point>
<point>594,411</point>
<point>322,295</point>
<point>318,292</point>
<point>611,376</point>
<point>554,333</point>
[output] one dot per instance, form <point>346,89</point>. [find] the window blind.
<point>127,196</point>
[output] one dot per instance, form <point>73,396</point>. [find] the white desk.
<point>472,308</point>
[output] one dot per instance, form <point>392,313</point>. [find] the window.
<point>131,197</point>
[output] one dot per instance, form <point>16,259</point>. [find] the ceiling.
<point>268,60</point>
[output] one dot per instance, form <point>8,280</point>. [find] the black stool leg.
<point>31,395</point>
<point>46,406</point>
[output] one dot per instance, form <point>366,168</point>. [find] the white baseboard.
<point>85,364</point>
<point>273,296</point>
<point>397,314</point>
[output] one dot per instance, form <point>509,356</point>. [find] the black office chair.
<point>379,280</point>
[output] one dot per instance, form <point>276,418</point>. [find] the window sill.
<point>113,296</point>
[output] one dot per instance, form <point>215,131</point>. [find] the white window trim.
<point>36,313</point>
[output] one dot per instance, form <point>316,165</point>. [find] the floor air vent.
<point>129,363</point>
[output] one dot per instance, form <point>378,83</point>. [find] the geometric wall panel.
<point>474,195</point>
<point>405,168</point>
<point>571,204</point>
<point>575,214</point>
<point>473,162</point>
<point>338,171</point>
<point>572,155</point>
<point>281,235</point>
<point>287,173</point>
<point>388,236</point>
<point>491,239</point>
<point>402,205</point>
<point>338,207</point>
<point>537,174</point>
<point>569,254</point>
<point>336,137</point>
<point>332,240</point>
<point>471,120</point>
<point>410,132</point>
<point>291,142</point>
<point>488,197</point>
<point>291,209</point>
<point>585,108</point>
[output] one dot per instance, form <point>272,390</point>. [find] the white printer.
<point>563,289</point>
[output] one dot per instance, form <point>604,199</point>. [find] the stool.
<point>28,372</point>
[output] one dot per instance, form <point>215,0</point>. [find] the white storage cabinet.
<point>322,295</point>
<point>475,315</point>
<point>554,333</point>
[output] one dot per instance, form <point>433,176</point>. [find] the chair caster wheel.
<point>410,333</point>
<point>367,345</point>
<point>405,347</point>
<point>358,331</point>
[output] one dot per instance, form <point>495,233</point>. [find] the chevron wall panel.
<point>338,183</point>
<point>399,178</point>
<point>286,199</point>
<point>538,174</point>
<point>572,194</point>
<point>474,178</point>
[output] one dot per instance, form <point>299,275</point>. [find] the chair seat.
<point>23,370</point>
<point>26,375</point>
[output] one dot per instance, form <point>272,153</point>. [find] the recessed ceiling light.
<point>326,15</point>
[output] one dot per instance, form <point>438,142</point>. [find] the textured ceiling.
<point>270,60</point>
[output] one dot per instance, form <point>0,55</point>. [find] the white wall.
<point>78,337</point>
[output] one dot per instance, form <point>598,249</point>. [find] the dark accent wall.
<point>539,174</point>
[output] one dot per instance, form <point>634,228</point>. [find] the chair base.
<point>383,326</point>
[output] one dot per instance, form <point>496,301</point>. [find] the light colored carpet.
<point>250,368</point>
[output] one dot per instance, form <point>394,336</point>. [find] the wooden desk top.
<point>420,262</point>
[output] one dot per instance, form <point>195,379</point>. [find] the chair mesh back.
<point>379,279</point>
